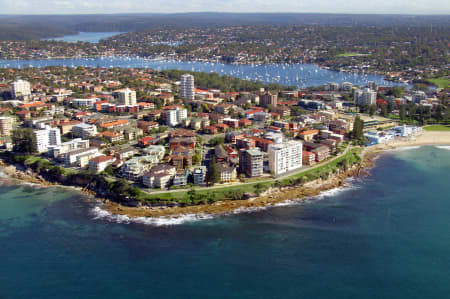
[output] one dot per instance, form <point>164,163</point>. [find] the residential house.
<point>159,176</point>
<point>99,163</point>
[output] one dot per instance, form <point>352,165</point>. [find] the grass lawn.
<point>349,54</point>
<point>437,128</point>
<point>442,82</point>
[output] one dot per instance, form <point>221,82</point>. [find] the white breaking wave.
<point>446,147</point>
<point>405,148</point>
<point>157,221</point>
<point>102,214</point>
<point>333,192</point>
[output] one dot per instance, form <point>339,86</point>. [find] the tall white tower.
<point>187,87</point>
<point>127,97</point>
<point>21,89</point>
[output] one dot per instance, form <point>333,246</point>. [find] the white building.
<point>84,130</point>
<point>85,102</point>
<point>187,87</point>
<point>155,152</point>
<point>5,125</point>
<point>127,97</point>
<point>47,137</point>
<point>347,86</point>
<point>99,163</point>
<point>285,157</point>
<point>21,89</point>
<point>56,151</point>
<point>419,96</point>
<point>175,116</point>
<point>81,157</point>
<point>366,96</point>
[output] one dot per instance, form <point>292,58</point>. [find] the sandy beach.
<point>421,139</point>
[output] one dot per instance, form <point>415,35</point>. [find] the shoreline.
<point>270,198</point>
<point>275,196</point>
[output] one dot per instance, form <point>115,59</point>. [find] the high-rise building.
<point>251,162</point>
<point>84,130</point>
<point>127,97</point>
<point>21,90</point>
<point>372,85</point>
<point>285,157</point>
<point>419,96</point>
<point>266,99</point>
<point>366,96</point>
<point>332,86</point>
<point>5,125</point>
<point>187,87</point>
<point>175,116</point>
<point>47,137</point>
<point>346,86</point>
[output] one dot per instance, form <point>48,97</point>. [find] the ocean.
<point>383,236</point>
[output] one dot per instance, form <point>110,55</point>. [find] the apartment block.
<point>285,157</point>
<point>251,162</point>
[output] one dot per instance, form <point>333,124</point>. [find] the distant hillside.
<point>43,26</point>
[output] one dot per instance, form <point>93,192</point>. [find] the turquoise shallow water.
<point>385,237</point>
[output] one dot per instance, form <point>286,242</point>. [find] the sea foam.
<point>406,148</point>
<point>102,214</point>
<point>446,147</point>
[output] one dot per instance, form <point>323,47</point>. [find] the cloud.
<point>171,6</point>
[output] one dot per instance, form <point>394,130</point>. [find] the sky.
<point>173,6</point>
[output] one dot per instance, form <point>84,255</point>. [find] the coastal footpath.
<point>297,187</point>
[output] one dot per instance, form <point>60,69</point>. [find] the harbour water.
<point>90,37</point>
<point>300,75</point>
<point>385,236</point>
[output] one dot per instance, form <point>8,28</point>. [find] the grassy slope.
<point>442,82</point>
<point>437,128</point>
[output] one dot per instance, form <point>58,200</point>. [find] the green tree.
<point>191,194</point>
<point>196,159</point>
<point>384,110</point>
<point>358,127</point>
<point>372,109</point>
<point>402,112</point>
<point>213,175</point>
<point>412,111</point>
<point>216,140</point>
<point>24,140</point>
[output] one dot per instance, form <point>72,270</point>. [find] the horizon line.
<point>228,12</point>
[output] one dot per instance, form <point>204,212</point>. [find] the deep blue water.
<point>301,75</point>
<point>90,37</point>
<point>385,237</point>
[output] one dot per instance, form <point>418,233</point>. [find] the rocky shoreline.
<point>271,197</point>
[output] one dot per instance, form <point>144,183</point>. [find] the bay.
<point>90,37</point>
<point>385,236</point>
<point>300,75</point>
